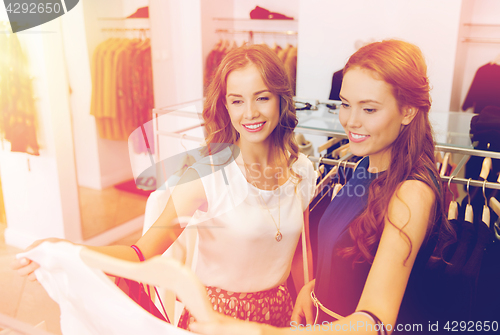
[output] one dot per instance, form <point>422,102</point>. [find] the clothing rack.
<point>176,110</point>
<point>181,136</point>
<point>467,151</point>
<point>481,40</point>
<point>252,32</point>
<point>313,104</point>
<point>339,162</point>
<point>481,24</point>
<point>125,29</point>
<point>234,31</point>
<point>179,133</point>
<point>476,183</point>
<point>111,18</point>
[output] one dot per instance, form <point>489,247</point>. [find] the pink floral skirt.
<point>273,307</point>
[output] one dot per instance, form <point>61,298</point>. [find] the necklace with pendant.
<point>278,235</point>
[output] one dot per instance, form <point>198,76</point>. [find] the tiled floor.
<point>104,209</point>
<point>28,301</point>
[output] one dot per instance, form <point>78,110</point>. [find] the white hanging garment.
<point>90,302</point>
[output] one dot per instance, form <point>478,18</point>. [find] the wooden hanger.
<point>222,45</point>
<point>336,189</point>
<point>218,44</point>
<point>486,210</point>
<point>158,271</point>
<point>321,170</point>
<point>301,140</point>
<point>438,157</point>
<point>344,152</point>
<point>444,165</point>
<point>495,205</point>
<point>322,184</point>
<point>337,152</point>
<point>485,169</point>
<point>328,144</point>
<point>453,209</point>
<point>469,214</point>
<point>326,180</point>
<point>338,186</point>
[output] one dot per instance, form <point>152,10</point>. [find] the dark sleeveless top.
<point>339,282</point>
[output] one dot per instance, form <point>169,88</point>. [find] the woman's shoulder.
<point>417,189</point>
<point>303,165</point>
<point>413,198</point>
<point>305,169</point>
<point>302,160</point>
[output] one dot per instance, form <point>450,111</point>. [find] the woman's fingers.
<point>27,269</point>
<point>25,266</point>
<point>296,316</point>
<point>303,312</point>
<point>308,312</point>
<point>19,263</point>
<point>32,277</point>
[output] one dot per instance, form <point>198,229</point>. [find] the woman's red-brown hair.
<point>401,65</point>
<point>217,121</point>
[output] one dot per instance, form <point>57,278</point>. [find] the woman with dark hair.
<point>246,197</point>
<point>380,231</point>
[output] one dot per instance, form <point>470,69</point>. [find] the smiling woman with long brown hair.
<point>379,232</point>
<point>247,196</point>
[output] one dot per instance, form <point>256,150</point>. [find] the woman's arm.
<point>410,210</point>
<point>187,197</point>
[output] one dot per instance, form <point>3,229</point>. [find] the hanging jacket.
<point>485,88</point>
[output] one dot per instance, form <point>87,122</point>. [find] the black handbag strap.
<point>142,259</point>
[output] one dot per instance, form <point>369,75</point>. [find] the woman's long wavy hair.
<point>401,65</point>
<point>217,121</point>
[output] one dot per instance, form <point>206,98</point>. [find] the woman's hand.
<point>303,308</point>
<point>25,266</point>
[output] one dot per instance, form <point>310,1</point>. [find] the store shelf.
<point>470,24</point>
